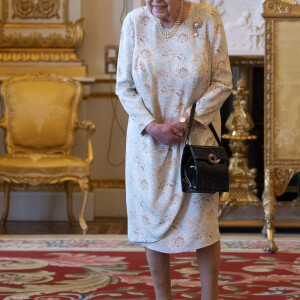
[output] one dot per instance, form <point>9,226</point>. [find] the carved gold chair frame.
<point>40,119</point>
<point>282,122</point>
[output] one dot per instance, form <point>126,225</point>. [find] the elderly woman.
<point>172,54</point>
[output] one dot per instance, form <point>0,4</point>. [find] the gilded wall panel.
<point>40,31</point>
<point>42,9</point>
<point>34,13</point>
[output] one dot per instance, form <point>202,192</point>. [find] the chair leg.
<point>6,202</point>
<point>68,187</point>
<point>84,185</point>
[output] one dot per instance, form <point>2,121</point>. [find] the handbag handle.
<point>211,127</point>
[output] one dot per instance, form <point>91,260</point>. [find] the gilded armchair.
<point>40,119</point>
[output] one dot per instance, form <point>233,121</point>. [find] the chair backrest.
<point>41,111</point>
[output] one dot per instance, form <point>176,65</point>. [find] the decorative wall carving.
<point>216,3</point>
<point>40,9</point>
<point>279,7</point>
<point>244,26</point>
<point>36,39</point>
<point>39,31</point>
<point>252,21</point>
<point>38,56</point>
<point>34,13</point>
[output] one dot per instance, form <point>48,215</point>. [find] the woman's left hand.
<point>181,126</point>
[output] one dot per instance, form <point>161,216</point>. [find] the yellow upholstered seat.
<point>40,119</point>
<point>18,165</point>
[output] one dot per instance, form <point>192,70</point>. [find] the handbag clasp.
<point>212,158</point>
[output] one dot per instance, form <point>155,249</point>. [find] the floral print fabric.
<point>159,78</point>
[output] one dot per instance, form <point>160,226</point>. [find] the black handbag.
<point>204,169</point>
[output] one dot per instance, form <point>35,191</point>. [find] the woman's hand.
<point>175,122</point>
<point>165,133</point>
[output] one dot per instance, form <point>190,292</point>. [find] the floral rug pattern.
<point>124,275</point>
<point>86,268</point>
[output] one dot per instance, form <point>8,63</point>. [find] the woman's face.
<point>164,9</point>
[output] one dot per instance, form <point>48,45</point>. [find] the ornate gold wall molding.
<point>17,13</point>
<point>36,55</point>
<point>100,95</point>
<point>36,31</point>
<point>281,8</point>
<point>42,9</point>
<point>246,60</point>
<point>94,184</point>
<point>17,39</point>
<point>108,184</point>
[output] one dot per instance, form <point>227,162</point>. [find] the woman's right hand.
<point>165,133</point>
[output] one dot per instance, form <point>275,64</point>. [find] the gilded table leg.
<point>68,187</point>
<point>84,185</point>
<point>269,202</point>
<point>6,202</point>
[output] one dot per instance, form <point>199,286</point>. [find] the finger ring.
<point>182,119</point>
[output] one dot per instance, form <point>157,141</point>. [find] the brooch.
<point>196,26</point>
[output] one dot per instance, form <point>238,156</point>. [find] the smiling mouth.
<point>159,7</point>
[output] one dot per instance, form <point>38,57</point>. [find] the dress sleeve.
<point>125,85</point>
<point>221,78</point>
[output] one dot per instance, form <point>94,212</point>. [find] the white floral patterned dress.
<point>159,78</point>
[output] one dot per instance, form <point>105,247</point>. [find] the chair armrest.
<point>90,127</point>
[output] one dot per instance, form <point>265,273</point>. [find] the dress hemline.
<point>188,249</point>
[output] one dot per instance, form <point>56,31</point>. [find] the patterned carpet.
<point>109,267</point>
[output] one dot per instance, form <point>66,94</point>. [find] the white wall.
<point>102,27</point>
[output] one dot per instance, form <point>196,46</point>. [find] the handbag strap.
<point>189,128</point>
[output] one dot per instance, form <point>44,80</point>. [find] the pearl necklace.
<point>168,34</point>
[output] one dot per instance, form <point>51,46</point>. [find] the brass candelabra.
<point>242,186</point>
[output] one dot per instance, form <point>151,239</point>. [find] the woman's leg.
<point>159,264</point>
<point>209,266</point>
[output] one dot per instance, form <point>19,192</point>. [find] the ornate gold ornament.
<point>246,60</point>
<point>35,31</point>
<point>72,39</point>
<point>36,47</point>
<point>242,186</point>
<point>45,13</point>
<point>279,168</point>
<point>41,9</point>
<point>280,8</point>
<point>34,55</point>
